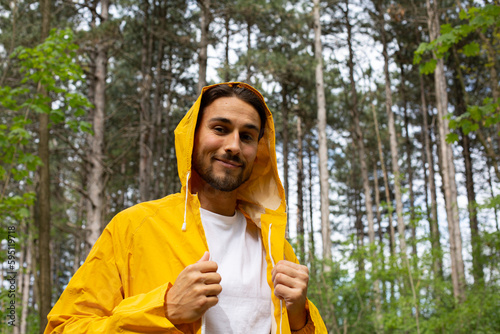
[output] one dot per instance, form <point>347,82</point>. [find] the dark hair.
<point>234,90</point>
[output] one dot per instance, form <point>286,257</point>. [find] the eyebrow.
<point>249,126</point>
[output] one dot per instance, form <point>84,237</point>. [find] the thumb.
<point>205,257</point>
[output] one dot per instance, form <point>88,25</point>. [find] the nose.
<point>232,143</point>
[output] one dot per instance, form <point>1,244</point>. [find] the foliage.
<point>479,20</point>
<point>51,65</point>
<point>50,74</point>
<point>486,115</point>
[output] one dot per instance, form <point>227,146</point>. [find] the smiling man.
<point>212,258</point>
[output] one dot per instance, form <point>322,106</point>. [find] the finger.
<point>286,293</point>
<point>211,278</point>
<point>212,290</point>
<point>205,257</point>
<point>292,265</point>
<point>290,269</point>
<point>206,266</point>
<point>292,282</point>
<point>211,302</point>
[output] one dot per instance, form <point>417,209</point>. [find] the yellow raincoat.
<point>122,284</point>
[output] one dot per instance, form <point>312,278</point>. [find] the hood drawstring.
<point>272,262</point>
<point>203,317</point>
<point>186,202</point>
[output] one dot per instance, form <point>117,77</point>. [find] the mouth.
<point>229,163</point>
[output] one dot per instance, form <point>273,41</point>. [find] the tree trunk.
<point>312,246</point>
<point>202,60</point>
<point>145,120</point>
<point>26,287</point>
<point>492,193</point>
<point>392,237</point>
<point>448,166</point>
<point>462,101</point>
<point>409,153</point>
<point>379,221</point>
<point>358,140</point>
<point>156,137</point>
<point>300,193</point>
<point>437,266</point>
<point>322,142</point>
<point>96,182</point>
<point>226,47</point>
<point>394,158</point>
<point>249,47</point>
<point>284,114</point>
<point>43,200</point>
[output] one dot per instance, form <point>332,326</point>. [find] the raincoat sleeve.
<point>315,324</point>
<point>94,301</point>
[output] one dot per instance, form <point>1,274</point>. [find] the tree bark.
<point>300,192</point>
<point>322,142</point>
<point>145,120</point>
<point>249,48</point>
<point>312,246</point>
<point>437,260</point>
<point>409,153</point>
<point>43,199</point>
<point>379,221</point>
<point>284,114</point>
<point>202,59</point>
<point>226,47</point>
<point>394,158</point>
<point>492,192</point>
<point>358,139</point>
<point>96,182</point>
<point>26,289</point>
<point>461,103</point>
<point>156,133</point>
<point>448,166</point>
<point>392,237</point>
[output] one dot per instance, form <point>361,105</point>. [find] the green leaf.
<point>471,49</point>
<point>451,138</point>
<point>57,116</point>
<point>446,28</point>
<point>86,127</point>
<point>463,15</point>
<point>475,114</point>
<point>428,67</point>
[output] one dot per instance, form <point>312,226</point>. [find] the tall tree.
<point>322,142</point>
<point>43,201</point>
<point>358,141</point>
<point>300,191</point>
<point>202,56</point>
<point>394,153</point>
<point>96,180</point>
<point>146,117</point>
<point>437,260</point>
<point>462,99</point>
<point>447,161</point>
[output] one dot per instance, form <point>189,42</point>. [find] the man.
<point>210,259</point>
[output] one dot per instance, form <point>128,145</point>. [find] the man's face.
<point>225,143</point>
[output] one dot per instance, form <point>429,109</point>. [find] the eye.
<point>246,137</point>
<point>219,129</point>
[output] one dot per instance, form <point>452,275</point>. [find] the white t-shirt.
<point>245,301</point>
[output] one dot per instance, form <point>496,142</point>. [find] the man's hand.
<point>195,291</point>
<point>290,284</point>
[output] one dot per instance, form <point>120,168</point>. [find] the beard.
<point>227,182</point>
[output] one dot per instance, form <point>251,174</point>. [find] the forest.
<point>388,136</point>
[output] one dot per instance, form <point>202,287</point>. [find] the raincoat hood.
<point>263,191</point>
